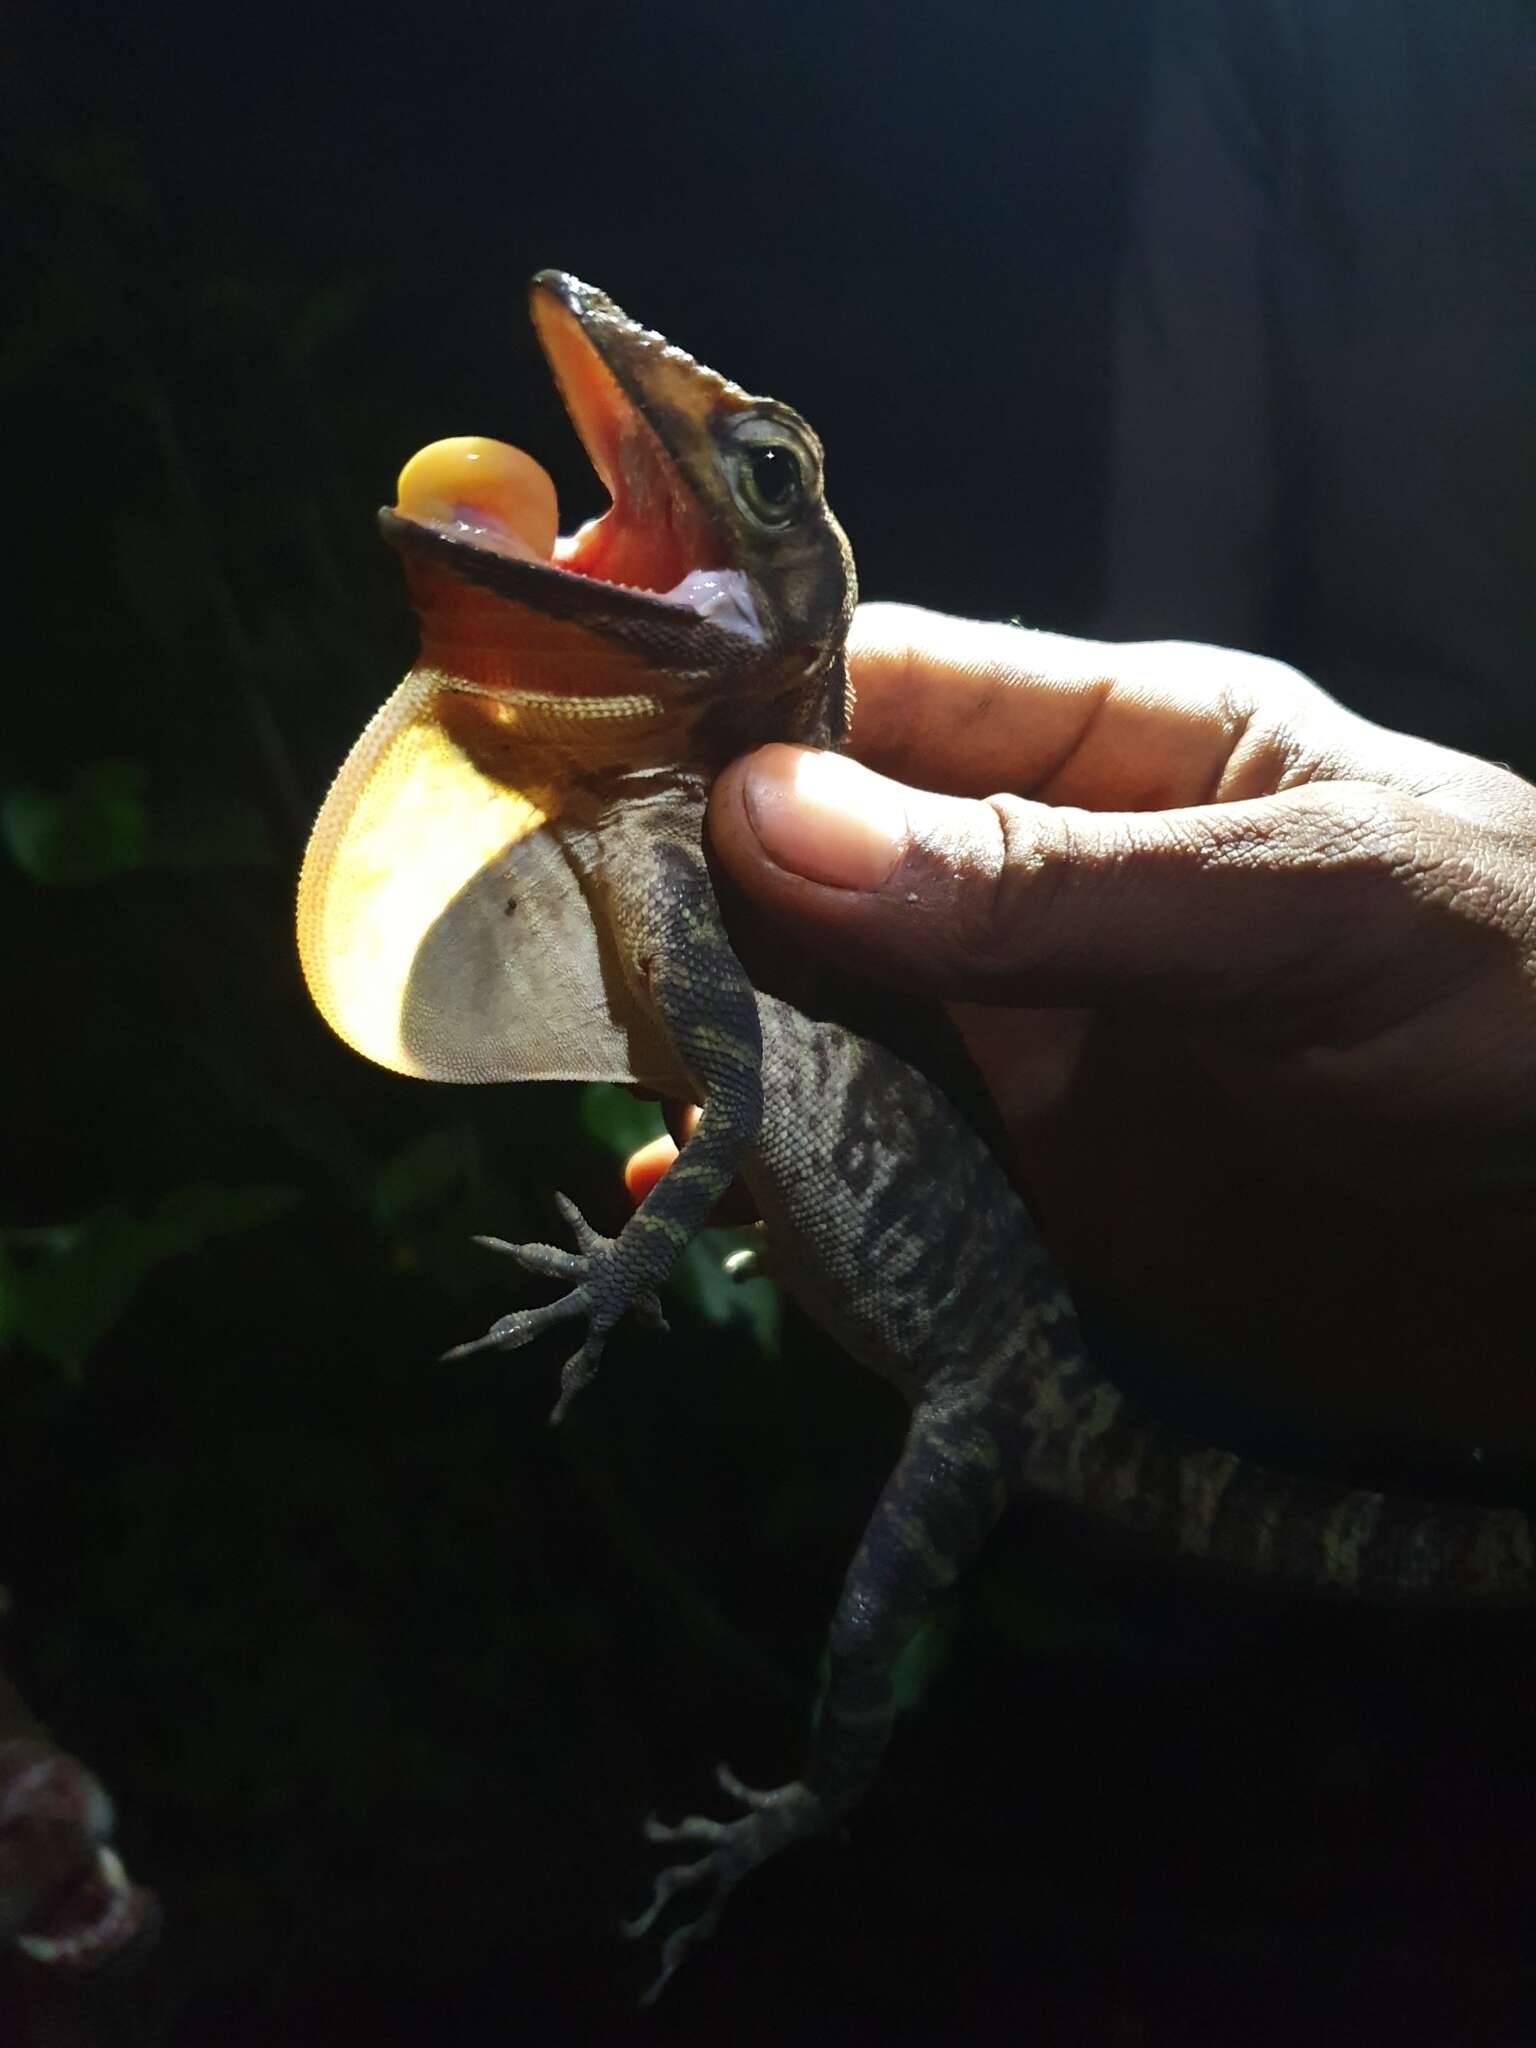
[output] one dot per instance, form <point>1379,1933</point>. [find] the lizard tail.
<point>1087,1446</point>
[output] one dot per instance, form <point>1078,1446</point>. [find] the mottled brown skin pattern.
<point>935,1280</point>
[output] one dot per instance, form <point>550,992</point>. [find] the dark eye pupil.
<point>776,474</point>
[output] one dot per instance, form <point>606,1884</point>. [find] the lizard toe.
<point>732,1849</point>
<point>512,1332</point>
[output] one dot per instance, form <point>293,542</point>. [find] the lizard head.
<point>717,567</point>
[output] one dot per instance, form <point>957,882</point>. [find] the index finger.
<point>971,708</point>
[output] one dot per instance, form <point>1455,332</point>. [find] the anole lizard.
<point>507,882</point>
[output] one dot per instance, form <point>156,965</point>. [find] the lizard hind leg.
<point>935,1510</point>
<point>603,1288</point>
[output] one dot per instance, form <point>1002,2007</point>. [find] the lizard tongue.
<point>482,491</point>
<point>496,497</point>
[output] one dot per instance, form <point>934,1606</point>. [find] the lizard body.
<point>508,881</point>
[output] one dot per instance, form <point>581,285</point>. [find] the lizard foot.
<point>732,1848</point>
<point>601,1292</point>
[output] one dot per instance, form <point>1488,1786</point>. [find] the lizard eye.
<point>769,482</point>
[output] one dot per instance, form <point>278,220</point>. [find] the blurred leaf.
<point>619,1121</point>
<point>189,1217</point>
<point>922,1660</point>
<point>917,1666</point>
<point>753,1306</point>
<point>64,1301</point>
<point>101,826</point>
<point>424,1174</point>
<point>98,827</point>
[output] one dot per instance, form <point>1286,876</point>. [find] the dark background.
<point>383,1673</point>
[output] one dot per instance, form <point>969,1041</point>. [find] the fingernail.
<point>825,817</point>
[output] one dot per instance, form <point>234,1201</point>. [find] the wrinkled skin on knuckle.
<point>1264,706</point>
<point>1274,724</point>
<point>1286,697</point>
<point>1432,866</point>
<point>1366,855</point>
<point>1368,836</point>
<point>1022,865</point>
<point>1430,910</point>
<point>1289,732</point>
<point>1478,884</point>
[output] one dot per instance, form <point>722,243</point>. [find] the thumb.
<point>1006,900</point>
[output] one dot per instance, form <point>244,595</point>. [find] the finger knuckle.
<point>1023,863</point>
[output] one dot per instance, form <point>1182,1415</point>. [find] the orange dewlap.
<point>485,488</point>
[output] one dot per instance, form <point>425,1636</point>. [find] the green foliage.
<point>102,824</point>
<point>752,1306</point>
<point>98,826</point>
<point>919,1666</point>
<point>924,1659</point>
<point>66,1287</point>
<point>618,1120</point>
<point>621,1122</point>
<point>424,1174</point>
<point>244,1488</point>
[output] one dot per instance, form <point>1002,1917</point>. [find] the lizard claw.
<point>587,1239</point>
<point>536,1258</point>
<point>729,1783</point>
<point>511,1333</point>
<point>773,1820</point>
<point>598,1293</point>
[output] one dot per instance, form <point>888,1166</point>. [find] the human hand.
<point>1289,1118</point>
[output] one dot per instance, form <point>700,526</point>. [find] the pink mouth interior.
<point>653,538</point>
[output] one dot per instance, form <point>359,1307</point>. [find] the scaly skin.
<point>939,1283</point>
<point>955,1301</point>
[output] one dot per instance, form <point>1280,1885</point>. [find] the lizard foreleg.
<point>697,987</point>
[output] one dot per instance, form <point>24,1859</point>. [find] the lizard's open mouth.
<point>644,411</point>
